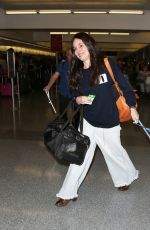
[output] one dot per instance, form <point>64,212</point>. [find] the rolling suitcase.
<point>5,87</point>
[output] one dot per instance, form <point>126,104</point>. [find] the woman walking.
<point>89,76</point>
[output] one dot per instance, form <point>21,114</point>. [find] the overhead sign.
<point>56,43</point>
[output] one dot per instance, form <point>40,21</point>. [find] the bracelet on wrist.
<point>132,107</point>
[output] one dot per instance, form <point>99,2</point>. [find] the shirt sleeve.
<point>124,84</point>
<point>59,67</point>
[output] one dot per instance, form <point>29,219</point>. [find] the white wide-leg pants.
<point>118,162</point>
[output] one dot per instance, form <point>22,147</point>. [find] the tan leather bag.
<point>123,108</point>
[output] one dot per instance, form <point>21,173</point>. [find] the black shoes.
<point>123,188</point>
<point>62,202</point>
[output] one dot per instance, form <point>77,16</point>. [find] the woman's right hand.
<point>81,100</point>
<point>135,115</point>
<point>46,88</point>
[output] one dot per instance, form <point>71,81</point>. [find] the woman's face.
<point>81,50</point>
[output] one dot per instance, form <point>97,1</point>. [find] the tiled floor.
<point>30,177</point>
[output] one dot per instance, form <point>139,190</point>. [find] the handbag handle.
<point>80,107</point>
<point>74,113</point>
<point>65,110</point>
<point>71,120</point>
<point>112,75</point>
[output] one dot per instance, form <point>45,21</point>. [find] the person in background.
<point>62,75</point>
<point>126,75</point>
<point>144,80</point>
<point>3,65</point>
<point>89,76</point>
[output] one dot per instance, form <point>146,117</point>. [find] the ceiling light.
<point>27,50</point>
<point>89,12</point>
<point>91,33</point>
<point>58,33</point>
<point>18,41</point>
<point>73,33</point>
<point>126,12</point>
<point>21,12</point>
<point>54,11</point>
<point>119,33</point>
<point>99,33</point>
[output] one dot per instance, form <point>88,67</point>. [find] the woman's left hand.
<point>134,115</point>
<point>81,100</point>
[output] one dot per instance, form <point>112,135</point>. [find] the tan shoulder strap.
<point>107,64</point>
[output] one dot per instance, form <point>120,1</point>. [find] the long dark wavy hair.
<point>76,71</point>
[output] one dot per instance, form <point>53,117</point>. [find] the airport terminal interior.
<point>30,177</point>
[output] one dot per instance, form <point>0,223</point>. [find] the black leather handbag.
<point>65,142</point>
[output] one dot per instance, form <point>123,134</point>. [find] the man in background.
<point>62,75</point>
